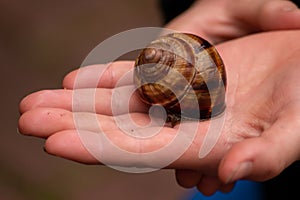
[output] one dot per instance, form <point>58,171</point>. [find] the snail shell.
<point>183,73</point>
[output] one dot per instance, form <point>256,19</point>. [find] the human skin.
<point>261,119</point>
<point>223,20</point>
<point>261,99</point>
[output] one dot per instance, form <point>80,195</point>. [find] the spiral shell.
<point>183,73</point>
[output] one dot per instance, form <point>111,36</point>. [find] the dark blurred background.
<point>41,41</point>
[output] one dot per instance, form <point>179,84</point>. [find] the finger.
<point>141,147</point>
<point>209,185</point>
<point>43,122</point>
<point>268,15</point>
<point>67,144</point>
<point>47,98</point>
<point>102,101</point>
<point>188,178</point>
<point>279,15</point>
<point>89,147</point>
<point>263,157</point>
<point>102,75</point>
<point>226,188</point>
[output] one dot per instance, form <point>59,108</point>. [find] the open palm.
<point>258,140</point>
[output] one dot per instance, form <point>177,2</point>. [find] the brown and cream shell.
<point>183,73</point>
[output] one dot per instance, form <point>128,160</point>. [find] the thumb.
<point>263,157</point>
<point>279,15</point>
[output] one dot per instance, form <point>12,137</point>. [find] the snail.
<point>185,74</point>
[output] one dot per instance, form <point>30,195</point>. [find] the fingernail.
<point>242,170</point>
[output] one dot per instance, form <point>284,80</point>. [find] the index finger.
<point>100,76</point>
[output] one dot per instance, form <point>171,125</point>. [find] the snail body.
<point>183,73</point>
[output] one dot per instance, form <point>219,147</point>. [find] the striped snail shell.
<point>183,73</point>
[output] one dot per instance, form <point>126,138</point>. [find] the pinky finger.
<point>113,148</point>
<point>68,145</point>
